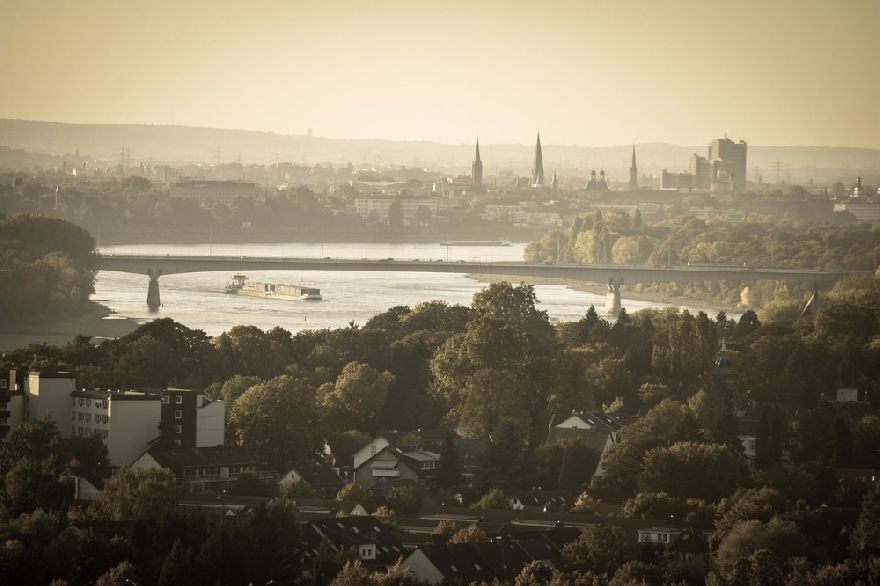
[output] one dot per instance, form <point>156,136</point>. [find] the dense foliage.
<point>46,267</point>
<point>500,370</point>
<point>618,238</point>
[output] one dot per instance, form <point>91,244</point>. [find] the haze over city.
<point>584,73</point>
<point>440,292</point>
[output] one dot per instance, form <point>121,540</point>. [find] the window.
<point>80,402</point>
<point>73,415</point>
<point>178,442</point>
<point>179,399</point>
<point>80,415</point>
<point>104,433</point>
<point>89,417</point>
<point>4,384</point>
<point>88,402</point>
<point>165,399</point>
<point>178,414</point>
<point>178,429</point>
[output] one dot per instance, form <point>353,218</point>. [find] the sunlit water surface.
<point>198,300</point>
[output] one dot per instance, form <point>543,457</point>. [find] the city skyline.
<point>598,74</point>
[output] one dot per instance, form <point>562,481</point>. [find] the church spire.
<point>538,167</point>
<point>555,182</point>
<point>633,171</point>
<point>477,168</point>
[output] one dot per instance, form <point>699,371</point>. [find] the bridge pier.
<point>153,299</point>
<point>612,300</point>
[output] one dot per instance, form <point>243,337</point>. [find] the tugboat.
<point>241,286</point>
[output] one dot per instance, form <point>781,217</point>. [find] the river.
<point>198,301</point>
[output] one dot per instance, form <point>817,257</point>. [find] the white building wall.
<point>50,397</point>
<point>133,424</point>
<point>211,424</point>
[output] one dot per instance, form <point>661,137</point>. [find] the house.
<point>88,484</point>
<point>537,499</point>
<point>375,544</point>
<point>321,478</point>
<point>502,559</point>
<point>368,451</point>
<point>452,563</point>
<point>594,429</point>
<point>388,462</point>
<point>200,469</point>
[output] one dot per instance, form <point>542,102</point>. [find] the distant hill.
<point>183,144</point>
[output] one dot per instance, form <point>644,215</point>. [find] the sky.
<point>583,72</point>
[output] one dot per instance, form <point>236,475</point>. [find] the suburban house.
<point>537,499</point>
<point>320,477</point>
<point>375,545</point>
<point>594,429</point>
<point>502,559</point>
<point>200,469</point>
<point>387,462</point>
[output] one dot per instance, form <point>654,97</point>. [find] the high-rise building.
<point>538,167</point>
<point>728,157</point>
<point>477,168</point>
<point>633,172</point>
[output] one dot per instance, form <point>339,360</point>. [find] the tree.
<point>357,399</point>
<point>121,574</point>
<point>176,567</point>
<point>494,499</point>
<point>235,387</point>
<point>839,444</point>
<point>600,548</point>
<point>470,534</point>
<point>395,214</point>
<point>405,500</point>
<point>278,420</point>
<point>450,469</point>
<point>352,492</point>
<point>780,537</point>
<point>139,494</point>
<point>687,469</point>
<point>866,535</point>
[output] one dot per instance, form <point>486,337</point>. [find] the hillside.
<point>182,144</point>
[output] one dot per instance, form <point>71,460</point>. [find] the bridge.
<point>614,276</point>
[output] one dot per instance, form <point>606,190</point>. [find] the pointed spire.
<point>633,171</point>
<point>538,167</point>
<point>477,168</point>
<point>555,182</point>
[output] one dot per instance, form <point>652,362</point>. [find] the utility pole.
<point>778,165</point>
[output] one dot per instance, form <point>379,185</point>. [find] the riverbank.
<point>708,307</point>
<point>95,320</point>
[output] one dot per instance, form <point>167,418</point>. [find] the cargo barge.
<point>241,286</point>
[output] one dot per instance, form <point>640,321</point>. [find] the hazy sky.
<point>589,72</point>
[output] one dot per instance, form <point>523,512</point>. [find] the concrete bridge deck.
<point>172,264</point>
<point>613,275</point>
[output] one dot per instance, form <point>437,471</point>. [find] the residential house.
<point>202,469</point>
<point>388,462</point>
<point>320,477</point>
<point>375,544</point>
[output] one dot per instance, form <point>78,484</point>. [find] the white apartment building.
<point>125,421</point>
<point>48,395</point>
<point>377,208</point>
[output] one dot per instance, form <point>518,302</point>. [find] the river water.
<point>198,301</point>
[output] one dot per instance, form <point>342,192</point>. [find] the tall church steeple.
<point>538,167</point>
<point>477,168</point>
<point>633,171</point>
